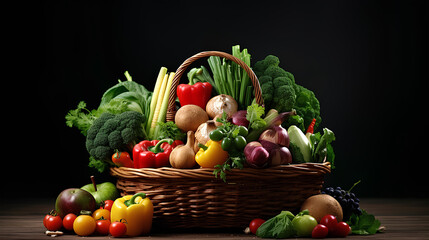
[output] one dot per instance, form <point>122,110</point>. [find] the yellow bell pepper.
<point>211,154</point>
<point>135,211</point>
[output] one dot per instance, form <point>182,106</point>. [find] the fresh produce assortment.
<point>218,125</point>
<point>215,105</point>
<point>321,216</point>
<point>97,209</point>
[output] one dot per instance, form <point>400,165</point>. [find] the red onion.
<point>278,154</point>
<point>276,134</point>
<point>256,155</point>
<point>239,118</point>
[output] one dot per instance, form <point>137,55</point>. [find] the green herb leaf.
<point>169,130</point>
<point>81,117</point>
<point>364,224</point>
<point>254,116</point>
<point>279,226</point>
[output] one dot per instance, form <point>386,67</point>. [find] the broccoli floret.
<point>262,65</point>
<point>284,97</point>
<point>280,92</point>
<point>114,132</point>
<point>267,89</point>
<point>97,124</point>
<point>307,106</point>
<point>115,139</point>
<point>281,81</point>
<point>267,93</point>
<point>275,72</point>
<point>101,152</point>
<point>265,79</point>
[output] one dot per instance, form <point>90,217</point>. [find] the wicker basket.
<point>188,198</point>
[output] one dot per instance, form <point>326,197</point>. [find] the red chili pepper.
<point>153,154</point>
<point>122,159</point>
<point>310,128</point>
<point>198,94</point>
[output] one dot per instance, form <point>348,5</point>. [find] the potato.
<point>189,117</point>
<point>321,205</point>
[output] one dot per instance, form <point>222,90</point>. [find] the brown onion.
<point>220,104</point>
<point>203,131</point>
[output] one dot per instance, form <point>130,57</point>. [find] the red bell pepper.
<point>153,154</point>
<point>198,94</point>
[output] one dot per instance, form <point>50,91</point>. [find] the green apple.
<point>102,192</point>
<point>304,225</point>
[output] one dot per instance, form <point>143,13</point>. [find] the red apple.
<point>74,200</point>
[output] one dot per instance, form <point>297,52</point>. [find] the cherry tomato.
<point>330,221</point>
<point>102,227</point>
<point>342,230</point>
<point>255,224</point>
<point>84,225</point>
<point>45,219</point>
<point>319,231</point>
<point>52,221</point>
<point>101,213</point>
<point>107,204</point>
<point>118,229</point>
<point>68,221</point>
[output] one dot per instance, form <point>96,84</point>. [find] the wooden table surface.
<point>403,219</point>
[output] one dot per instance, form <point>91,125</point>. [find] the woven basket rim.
<point>207,173</point>
<point>171,109</point>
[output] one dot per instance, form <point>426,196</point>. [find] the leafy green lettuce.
<point>124,96</point>
<point>321,146</point>
<point>279,226</point>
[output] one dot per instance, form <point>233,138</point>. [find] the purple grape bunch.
<point>348,200</point>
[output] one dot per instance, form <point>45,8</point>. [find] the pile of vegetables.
<point>217,125</point>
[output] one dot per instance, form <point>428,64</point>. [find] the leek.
<point>158,106</point>
<point>154,99</point>
<point>163,110</point>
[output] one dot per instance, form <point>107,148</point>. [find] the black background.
<point>366,61</point>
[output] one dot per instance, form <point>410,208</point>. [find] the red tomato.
<point>117,229</point>
<point>319,231</point>
<point>45,219</point>
<point>68,221</point>
<point>342,230</point>
<point>107,204</point>
<point>53,222</point>
<point>330,221</point>
<point>102,227</point>
<point>255,224</point>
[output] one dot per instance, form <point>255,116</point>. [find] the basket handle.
<point>171,110</point>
